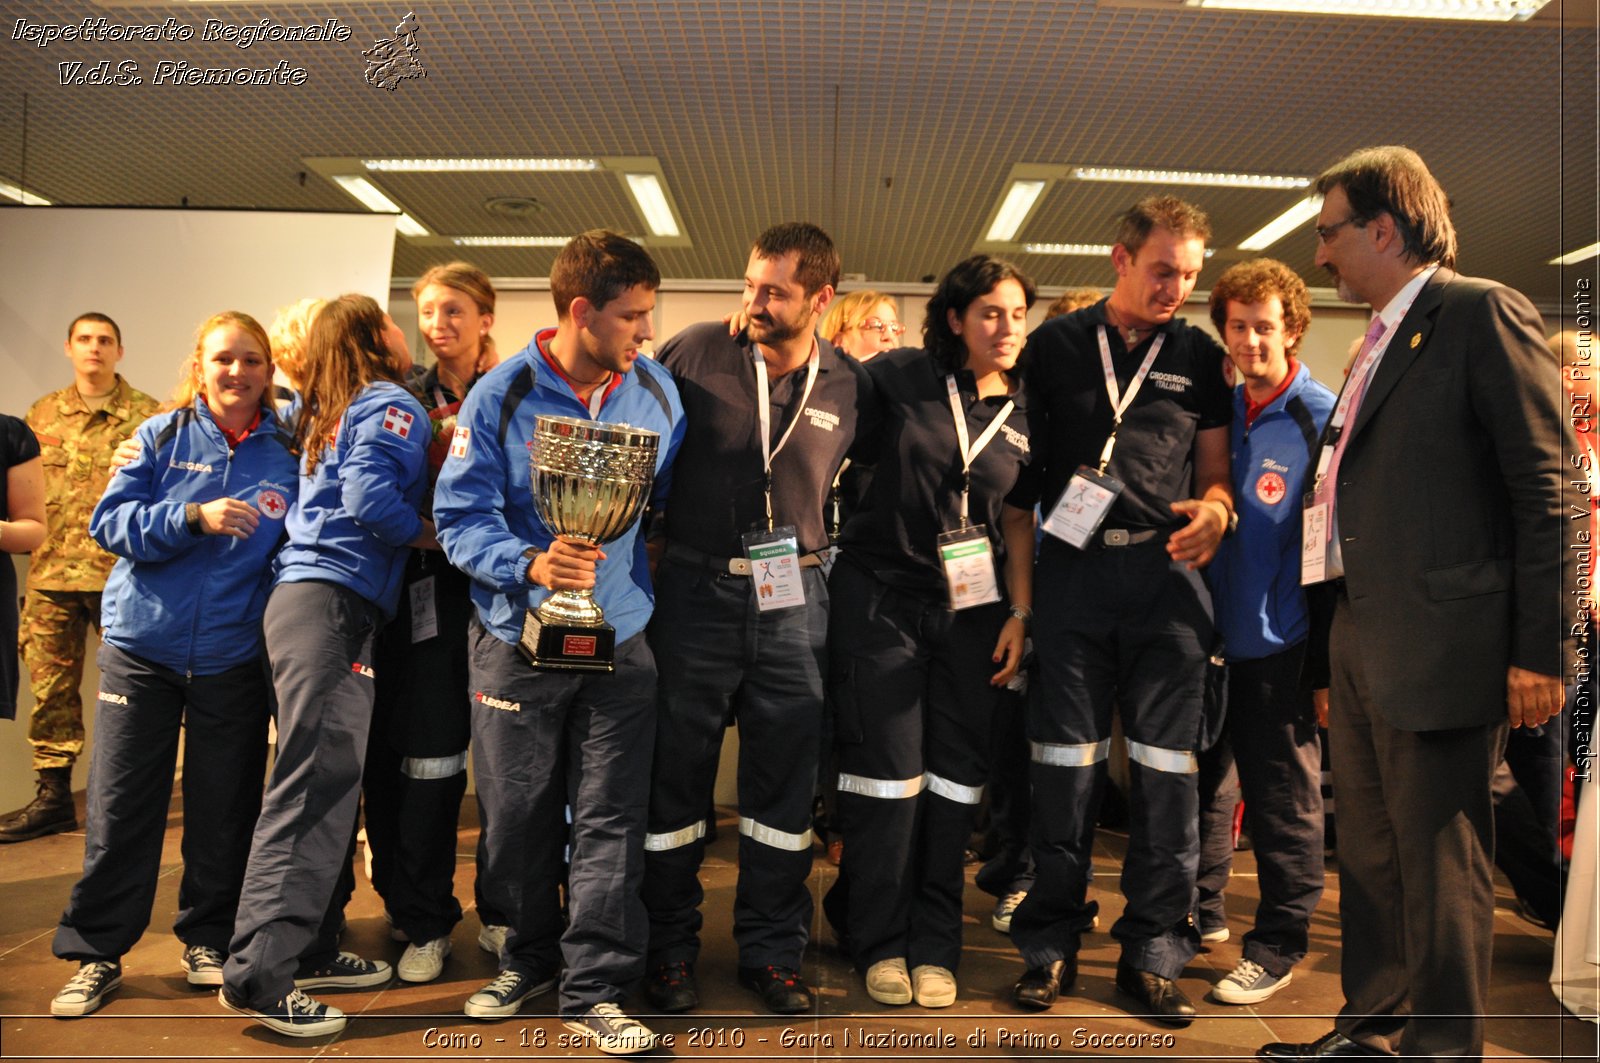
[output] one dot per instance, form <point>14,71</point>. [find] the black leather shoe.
<point>1331,1045</point>
<point>781,989</point>
<point>1038,987</point>
<point>671,988</point>
<point>1162,998</point>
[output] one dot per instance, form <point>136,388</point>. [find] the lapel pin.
<point>1416,340</point>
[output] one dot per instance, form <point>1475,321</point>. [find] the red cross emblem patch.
<point>1270,488</point>
<point>272,504</point>
<point>397,421</point>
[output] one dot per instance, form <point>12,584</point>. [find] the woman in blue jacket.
<point>195,518</point>
<point>363,440</point>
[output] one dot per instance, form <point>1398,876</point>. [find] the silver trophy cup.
<point>590,482</point>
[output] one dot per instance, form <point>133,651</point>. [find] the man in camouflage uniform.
<point>78,428</point>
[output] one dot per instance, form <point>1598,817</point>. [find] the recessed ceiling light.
<point>1463,10</point>
<point>1282,225</point>
<point>510,241</point>
<point>21,195</point>
<point>487,165</point>
<point>1020,198</point>
<point>371,197</point>
<point>1582,254</point>
<point>1133,175</point>
<point>652,200</point>
<point>1097,250</point>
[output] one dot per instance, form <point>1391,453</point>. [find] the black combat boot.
<point>50,812</point>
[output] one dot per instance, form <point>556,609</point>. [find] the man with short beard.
<point>741,616</point>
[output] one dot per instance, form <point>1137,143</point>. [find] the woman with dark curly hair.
<point>931,597</point>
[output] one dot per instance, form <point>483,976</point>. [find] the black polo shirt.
<point>717,479</point>
<point>1185,393</point>
<point>916,482</point>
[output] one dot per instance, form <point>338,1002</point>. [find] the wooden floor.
<point>155,1015</point>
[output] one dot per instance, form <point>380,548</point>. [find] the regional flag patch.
<point>459,441</point>
<point>397,421</point>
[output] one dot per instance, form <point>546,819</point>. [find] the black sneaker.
<point>611,1031</point>
<point>505,995</point>
<point>87,989</point>
<point>671,988</point>
<point>345,971</point>
<point>296,1015</point>
<point>202,965</point>
<point>781,989</point>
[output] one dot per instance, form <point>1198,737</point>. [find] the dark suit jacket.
<point>1450,510</point>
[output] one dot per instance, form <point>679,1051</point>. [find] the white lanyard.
<point>1119,401</point>
<point>764,414</point>
<point>969,453</point>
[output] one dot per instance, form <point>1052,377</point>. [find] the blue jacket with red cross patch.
<point>1255,578</point>
<point>187,601</point>
<point>361,505</point>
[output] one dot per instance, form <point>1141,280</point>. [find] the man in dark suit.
<point>1435,527</point>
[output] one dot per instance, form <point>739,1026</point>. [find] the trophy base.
<point>568,647</point>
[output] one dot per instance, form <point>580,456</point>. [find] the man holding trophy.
<point>555,455</point>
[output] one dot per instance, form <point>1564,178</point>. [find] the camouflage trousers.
<point>53,639</point>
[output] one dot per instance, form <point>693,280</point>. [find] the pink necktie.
<point>1359,370</point>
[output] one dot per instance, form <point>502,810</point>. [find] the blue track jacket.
<point>484,508</point>
<point>185,601</point>
<point>1255,578</point>
<point>361,506</point>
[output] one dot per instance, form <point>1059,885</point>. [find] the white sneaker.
<point>611,1031</point>
<point>1249,983</point>
<point>888,982</point>
<point>1004,909</point>
<point>424,962</point>
<point>492,939</point>
<point>933,987</point>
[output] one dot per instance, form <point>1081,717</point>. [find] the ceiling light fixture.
<point>1014,210</point>
<point>510,241</point>
<point>464,165</point>
<point>1096,250</point>
<point>1461,10</point>
<point>371,197</point>
<point>21,195</point>
<point>1282,225</point>
<point>652,199</point>
<point>1582,254</point>
<point>1133,175</point>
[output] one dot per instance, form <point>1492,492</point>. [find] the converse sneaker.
<point>424,962</point>
<point>202,965</point>
<point>345,971</point>
<point>1004,909</point>
<point>492,939</point>
<point>611,1031</point>
<point>933,986</point>
<point>87,989</point>
<point>296,1015</point>
<point>1249,983</point>
<point>506,994</point>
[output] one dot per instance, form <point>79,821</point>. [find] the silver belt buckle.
<point>739,566</point>
<point>1116,537</point>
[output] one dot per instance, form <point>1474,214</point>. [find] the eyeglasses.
<point>1325,231</point>
<point>883,328</point>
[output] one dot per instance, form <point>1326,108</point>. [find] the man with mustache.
<point>741,616</point>
<point>1132,433</point>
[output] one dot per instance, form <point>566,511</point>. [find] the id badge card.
<point>1083,506</point>
<point>424,610</point>
<point>775,568</point>
<point>1313,543</point>
<point>968,560</point>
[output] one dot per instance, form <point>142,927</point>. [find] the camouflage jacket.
<point>75,445</point>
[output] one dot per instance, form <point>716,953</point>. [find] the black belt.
<point>734,566</point>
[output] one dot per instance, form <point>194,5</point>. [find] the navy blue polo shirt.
<point>717,483</point>
<point>1071,413</point>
